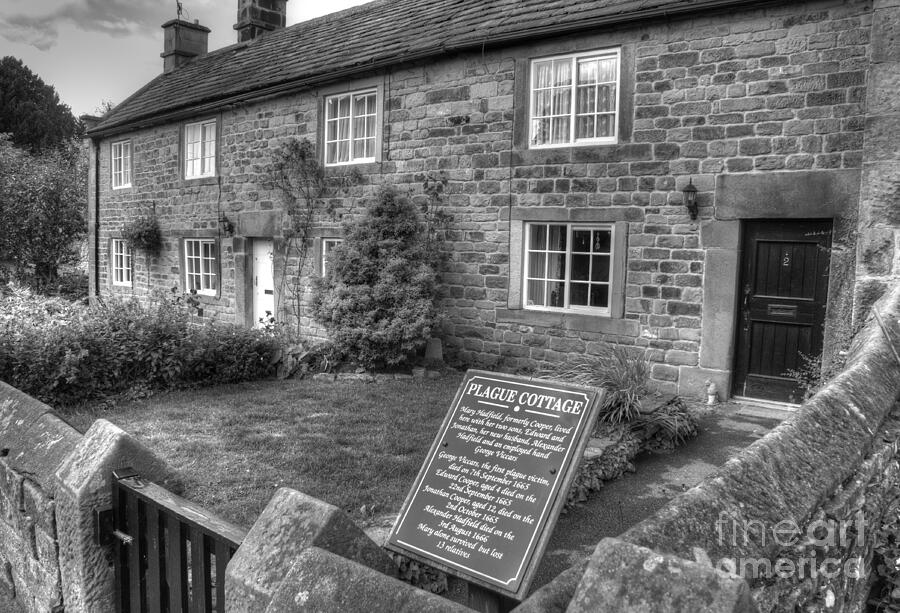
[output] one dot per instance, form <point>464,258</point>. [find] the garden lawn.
<point>348,443</point>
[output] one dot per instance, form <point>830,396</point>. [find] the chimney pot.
<point>182,42</point>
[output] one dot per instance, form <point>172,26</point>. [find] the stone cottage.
<point>712,180</point>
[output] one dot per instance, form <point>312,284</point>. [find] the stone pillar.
<point>82,487</point>
<point>878,246</point>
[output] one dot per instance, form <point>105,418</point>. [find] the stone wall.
<point>774,90</point>
<point>52,480</point>
<point>832,471</point>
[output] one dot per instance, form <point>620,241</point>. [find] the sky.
<point>93,51</point>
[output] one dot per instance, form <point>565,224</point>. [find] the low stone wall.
<point>52,480</point>
<point>830,470</point>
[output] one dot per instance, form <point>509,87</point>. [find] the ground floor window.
<point>328,245</point>
<point>121,262</point>
<point>568,266</point>
<point>201,264</point>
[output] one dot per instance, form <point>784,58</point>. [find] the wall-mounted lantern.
<point>226,225</point>
<point>689,194</point>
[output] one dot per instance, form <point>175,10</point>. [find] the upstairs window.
<point>350,128</point>
<point>568,267</point>
<point>200,149</point>
<point>575,99</point>
<point>121,262</point>
<point>201,265</point>
<point>121,164</point>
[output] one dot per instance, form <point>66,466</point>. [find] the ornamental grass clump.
<point>621,371</point>
<point>377,299</point>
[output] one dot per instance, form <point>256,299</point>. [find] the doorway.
<point>263,281</point>
<point>781,313</point>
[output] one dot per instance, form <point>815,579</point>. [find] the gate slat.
<point>176,565</point>
<point>199,573</point>
<point>120,557</point>
<point>223,554</point>
<point>137,595</point>
<point>154,560</point>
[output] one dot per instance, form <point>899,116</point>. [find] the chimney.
<point>256,17</point>
<point>183,41</point>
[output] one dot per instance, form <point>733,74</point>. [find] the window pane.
<point>562,99</point>
<point>556,296</point>
<point>542,100</point>
<point>343,109</point>
<point>537,263</point>
<point>557,266</point>
<point>602,241</point>
<point>560,130</point>
<point>562,72</point>
<point>581,267</point>
<point>587,72</point>
<point>581,241</point>
<point>540,129</point>
<point>606,125</point>
<point>359,149</point>
<point>600,296</point>
<point>537,236</point>
<point>587,99</point>
<point>558,238</point>
<point>600,269</point>
<point>606,98</point>
<point>584,126</point>
<point>543,74</point>
<point>607,70</point>
<point>536,293</point>
<point>578,294</point>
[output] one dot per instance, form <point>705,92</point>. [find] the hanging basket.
<point>143,233</point>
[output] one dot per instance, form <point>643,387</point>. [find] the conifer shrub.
<point>377,300</point>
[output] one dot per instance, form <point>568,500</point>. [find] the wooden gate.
<point>169,554</point>
<point>784,287</point>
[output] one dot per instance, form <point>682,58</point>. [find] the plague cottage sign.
<point>496,478</point>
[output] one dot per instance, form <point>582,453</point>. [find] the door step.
<point>757,407</point>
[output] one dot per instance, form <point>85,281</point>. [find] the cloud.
<point>110,17</point>
<point>21,29</point>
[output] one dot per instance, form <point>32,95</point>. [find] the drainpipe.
<point>93,206</point>
<point>96,146</point>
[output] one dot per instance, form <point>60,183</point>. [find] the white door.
<point>263,281</point>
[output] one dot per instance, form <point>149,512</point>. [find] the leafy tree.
<point>31,111</point>
<point>377,300</point>
<point>42,208</point>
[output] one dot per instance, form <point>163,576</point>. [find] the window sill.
<point>569,321</point>
<point>340,170</point>
<point>199,181</point>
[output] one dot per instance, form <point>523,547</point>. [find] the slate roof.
<point>365,38</point>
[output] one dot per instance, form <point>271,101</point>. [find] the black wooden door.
<point>781,313</point>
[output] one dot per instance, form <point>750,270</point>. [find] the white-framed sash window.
<point>575,99</point>
<point>568,267</point>
<point>351,128</point>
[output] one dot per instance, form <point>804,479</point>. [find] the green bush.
<point>377,301</point>
<point>65,354</point>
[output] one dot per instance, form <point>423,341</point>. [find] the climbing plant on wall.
<point>309,195</point>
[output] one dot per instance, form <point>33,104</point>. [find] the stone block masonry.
<point>52,480</point>
<point>758,90</point>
